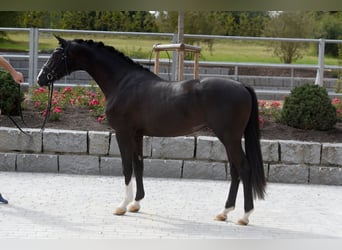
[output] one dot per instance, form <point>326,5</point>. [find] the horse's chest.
<point>120,112</point>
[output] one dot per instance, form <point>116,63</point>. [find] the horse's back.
<point>224,91</point>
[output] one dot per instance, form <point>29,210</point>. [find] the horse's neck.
<point>111,71</point>
<point>103,70</point>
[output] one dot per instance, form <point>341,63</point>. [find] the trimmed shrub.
<point>309,107</point>
<point>10,96</point>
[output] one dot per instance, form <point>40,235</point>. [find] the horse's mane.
<point>110,49</point>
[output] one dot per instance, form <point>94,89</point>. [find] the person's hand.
<point>18,77</point>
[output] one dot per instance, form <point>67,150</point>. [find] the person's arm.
<point>17,76</point>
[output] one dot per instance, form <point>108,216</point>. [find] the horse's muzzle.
<point>44,79</point>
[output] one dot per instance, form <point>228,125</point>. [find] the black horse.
<point>138,103</point>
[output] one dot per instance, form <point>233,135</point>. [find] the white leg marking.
<point>244,220</point>
<point>122,208</point>
<point>134,207</point>
<point>222,216</point>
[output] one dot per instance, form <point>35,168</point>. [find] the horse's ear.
<point>61,41</point>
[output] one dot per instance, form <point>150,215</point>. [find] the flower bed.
<point>89,98</point>
<point>93,99</point>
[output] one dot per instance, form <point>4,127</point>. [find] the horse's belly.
<point>173,128</point>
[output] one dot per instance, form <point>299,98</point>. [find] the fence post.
<point>174,59</point>
<point>33,53</point>
<point>320,70</point>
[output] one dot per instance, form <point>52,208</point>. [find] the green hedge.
<point>10,95</point>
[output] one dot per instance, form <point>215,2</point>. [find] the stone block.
<point>65,141</point>
<point>173,147</point>
<point>297,152</point>
<point>115,151</point>
<point>110,166</point>
<point>7,161</point>
<point>205,170</point>
<point>79,164</point>
<point>332,154</point>
<point>37,163</point>
<point>210,148</point>
<point>98,142</point>
<point>326,175</point>
<point>12,139</point>
<point>270,150</point>
<point>288,173</point>
<point>147,146</point>
<point>114,147</point>
<point>163,168</point>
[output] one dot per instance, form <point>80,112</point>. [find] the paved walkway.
<point>77,206</point>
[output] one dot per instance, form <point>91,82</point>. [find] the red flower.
<point>262,103</point>
<point>57,110</point>
<point>94,102</point>
<point>261,121</point>
<point>67,89</point>
<point>40,90</point>
<point>335,101</point>
<point>275,104</point>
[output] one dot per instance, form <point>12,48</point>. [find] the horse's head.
<point>56,66</point>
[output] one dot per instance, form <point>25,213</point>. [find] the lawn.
<point>141,47</point>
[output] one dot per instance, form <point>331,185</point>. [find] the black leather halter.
<point>52,76</point>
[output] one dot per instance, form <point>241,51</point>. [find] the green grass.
<point>141,47</point>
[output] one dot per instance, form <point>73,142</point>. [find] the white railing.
<point>34,34</point>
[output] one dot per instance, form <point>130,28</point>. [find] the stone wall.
<point>91,152</point>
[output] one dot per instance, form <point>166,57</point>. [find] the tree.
<point>243,23</point>
<point>295,24</point>
<point>232,23</point>
<point>329,27</point>
<point>8,19</point>
<point>78,20</point>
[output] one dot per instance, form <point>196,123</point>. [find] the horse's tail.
<point>253,149</point>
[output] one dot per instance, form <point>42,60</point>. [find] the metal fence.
<point>35,33</point>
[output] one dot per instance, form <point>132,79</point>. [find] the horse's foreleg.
<point>122,208</point>
<point>138,165</point>
<point>126,150</point>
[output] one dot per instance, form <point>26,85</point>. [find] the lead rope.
<point>48,109</point>
<point>21,116</point>
<point>47,115</point>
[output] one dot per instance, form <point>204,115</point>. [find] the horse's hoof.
<point>120,211</point>
<point>243,222</point>
<point>221,217</point>
<point>134,208</point>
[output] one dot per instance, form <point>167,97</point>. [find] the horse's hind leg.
<point>230,203</point>
<point>126,149</point>
<point>138,165</point>
<point>245,174</point>
<point>239,170</point>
